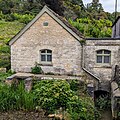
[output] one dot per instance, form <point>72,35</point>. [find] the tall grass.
<point>15,98</point>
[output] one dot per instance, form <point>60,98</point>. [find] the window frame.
<point>103,55</point>
<point>46,54</point>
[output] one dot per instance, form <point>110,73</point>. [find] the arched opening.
<point>102,101</point>
<point>101,93</point>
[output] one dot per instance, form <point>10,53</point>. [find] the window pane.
<point>43,58</point>
<point>106,59</point>
<point>99,59</point>
<point>42,51</point>
<point>49,51</point>
<point>49,58</point>
<point>107,52</point>
<point>99,52</point>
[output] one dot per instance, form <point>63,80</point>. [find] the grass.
<point>3,76</point>
<point>53,95</point>
<point>7,31</point>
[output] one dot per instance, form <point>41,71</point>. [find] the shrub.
<point>52,94</point>
<point>81,108</point>
<point>3,76</point>
<point>23,18</point>
<point>103,102</point>
<point>36,70</point>
<point>55,94</point>
<point>74,85</point>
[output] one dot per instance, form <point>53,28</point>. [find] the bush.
<point>74,85</point>
<point>55,94</point>
<point>36,70</point>
<point>52,94</point>
<point>23,18</point>
<point>81,108</point>
<point>3,76</point>
<point>103,102</point>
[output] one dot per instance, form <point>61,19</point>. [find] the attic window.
<point>45,23</point>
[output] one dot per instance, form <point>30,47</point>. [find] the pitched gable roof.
<point>72,30</point>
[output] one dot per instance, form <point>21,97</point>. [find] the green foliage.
<point>54,94</point>
<point>5,56</point>
<point>4,49</point>
<point>93,28</point>
<point>50,95</point>
<point>7,31</point>
<point>36,70</point>
<point>74,85</point>
<point>15,98</point>
<point>103,103</point>
<point>3,76</point>
<point>23,18</point>
<point>81,109</point>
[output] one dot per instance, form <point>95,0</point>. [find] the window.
<point>103,56</point>
<point>46,56</point>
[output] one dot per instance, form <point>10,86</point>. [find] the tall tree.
<point>96,10</point>
<point>74,9</point>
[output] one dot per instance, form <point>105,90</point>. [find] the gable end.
<point>73,31</point>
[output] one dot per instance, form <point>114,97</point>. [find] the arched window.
<point>45,56</point>
<point>103,56</point>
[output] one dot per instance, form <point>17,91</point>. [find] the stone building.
<point>58,48</point>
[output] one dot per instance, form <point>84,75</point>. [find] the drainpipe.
<point>83,63</point>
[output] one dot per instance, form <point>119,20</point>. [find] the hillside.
<point>90,20</point>
<point>7,31</point>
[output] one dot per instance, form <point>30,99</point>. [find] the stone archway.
<point>102,100</point>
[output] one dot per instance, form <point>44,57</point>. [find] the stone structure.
<point>52,34</point>
<point>55,45</point>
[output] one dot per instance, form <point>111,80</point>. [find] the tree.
<point>74,9</point>
<point>6,6</point>
<point>96,10</point>
<point>56,6</point>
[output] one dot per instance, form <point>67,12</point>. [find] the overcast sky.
<point>108,5</point>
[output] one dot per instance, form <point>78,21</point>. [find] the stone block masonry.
<point>66,50</point>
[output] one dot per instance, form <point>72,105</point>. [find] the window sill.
<point>45,64</point>
<point>103,66</point>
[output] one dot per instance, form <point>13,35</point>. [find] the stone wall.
<point>103,71</point>
<point>66,50</point>
<point>115,100</point>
